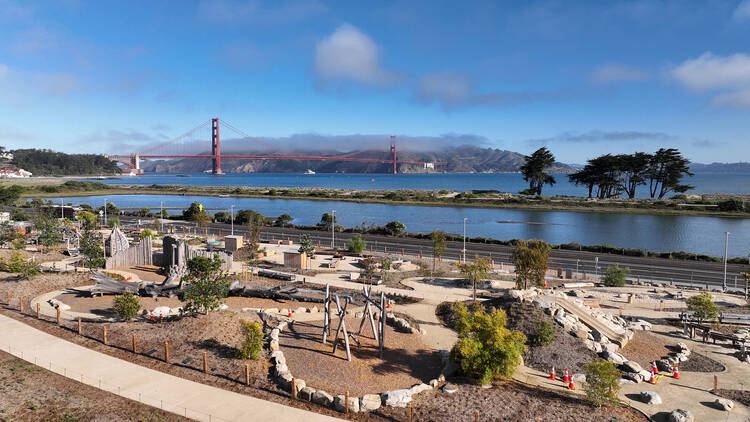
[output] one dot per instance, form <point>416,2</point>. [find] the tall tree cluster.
<point>534,171</point>
<point>609,176</point>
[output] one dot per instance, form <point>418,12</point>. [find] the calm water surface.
<point>653,232</point>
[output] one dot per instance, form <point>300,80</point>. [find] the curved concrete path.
<point>177,395</point>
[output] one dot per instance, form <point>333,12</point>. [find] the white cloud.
<point>727,75</point>
<point>348,54</point>
<point>617,73</point>
<point>448,89</point>
<point>714,72</point>
<point>742,11</point>
<point>736,99</point>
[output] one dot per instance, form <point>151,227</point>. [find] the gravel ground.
<point>406,360</point>
<point>740,396</point>
<point>508,401</point>
<point>645,347</point>
<point>701,363</point>
<point>30,393</point>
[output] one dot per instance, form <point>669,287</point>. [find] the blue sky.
<point>582,78</point>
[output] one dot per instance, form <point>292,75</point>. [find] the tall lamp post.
<point>333,229</point>
<point>232,217</point>
<point>105,212</point>
<point>463,252</point>
<point>726,252</point>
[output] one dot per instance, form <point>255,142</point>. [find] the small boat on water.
<point>309,172</point>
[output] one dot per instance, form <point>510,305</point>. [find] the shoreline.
<point>424,198</point>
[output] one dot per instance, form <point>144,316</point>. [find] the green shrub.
<point>357,244</point>
<point>126,305</point>
<point>615,276</point>
<point>703,306</point>
<point>601,382</point>
<point>253,340</point>
<point>17,244</point>
<point>544,333</point>
<point>486,348</point>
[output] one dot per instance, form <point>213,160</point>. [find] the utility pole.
<point>726,253</point>
<point>464,249</point>
<point>333,229</point>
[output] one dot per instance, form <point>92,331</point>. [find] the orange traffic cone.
<point>545,284</point>
<point>566,376</point>
<point>676,373</point>
<point>653,378</point>
<point>289,314</point>
<point>571,385</point>
<point>654,368</point>
<point>552,374</point>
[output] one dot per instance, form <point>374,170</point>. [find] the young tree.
<point>666,169</point>
<point>283,220</point>
<point>395,228</point>
<point>146,233</point>
<point>615,276</point>
<point>530,258</point>
<point>9,195</point>
<point>197,214</point>
<point>126,305</point>
<point>533,171</point>
<point>475,272</point>
<point>357,244</point>
<point>113,222</point>
<point>438,246</point>
<point>90,245</point>
<point>703,307</point>
<point>254,222</point>
<point>369,267</point>
<point>49,228</point>
<point>206,283</point>
<point>486,348</point>
<point>327,220</point>
<point>601,382</point>
<point>253,340</point>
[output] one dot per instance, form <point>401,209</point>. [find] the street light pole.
<point>161,215</point>
<point>726,252</point>
<point>105,212</point>
<point>232,213</point>
<point>464,250</point>
<point>333,229</point>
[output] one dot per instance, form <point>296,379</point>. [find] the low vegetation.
<point>530,259</point>
<point>126,305</point>
<point>601,382</point>
<point>615,276</point>
<point>206,283</point>
<point>703,307</point>
<point>486,348</point>
<point>253,340</point>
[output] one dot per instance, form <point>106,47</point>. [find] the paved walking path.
<point>187,398</point>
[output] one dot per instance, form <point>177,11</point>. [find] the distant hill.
<point>464,159</point>
<point>740,167</point>
<point>44,162</point>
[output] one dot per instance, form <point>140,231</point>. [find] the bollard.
<point>104,334</point>
<point>20,304</point>
<point>166,352</point>
<point>38,310</point>
<point>247,373</point>
<point>716,384</point>
<point>205,362</point>
<point>134,344</point>
<point>346,402</point>
<point>58,316</point>
<point>80,328</point>
<point>294,388</point>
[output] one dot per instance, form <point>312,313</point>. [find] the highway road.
<point>647,269</point>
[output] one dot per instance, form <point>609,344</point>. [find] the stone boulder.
<point>322,398</point>
<point>418,388</point>
<point>664,365</point>
<point>724,404</point>
<point>599,337</point>
<point>593,346</point>
<point>623,381</point>
<point>369,402</point>
<point>636,378</point>
<point>613,357</point>
<point>339,403</point>
<point>306,393</point>
<point>578,378</point>
<point>631,366</point>
<point>450,388</point>
<point>680,415</point>
<point>650,397</point>
<point>397,398</point>
<point>645,375</point>
<point>610,347</point>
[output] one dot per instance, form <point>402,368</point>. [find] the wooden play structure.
<point>371,307</point>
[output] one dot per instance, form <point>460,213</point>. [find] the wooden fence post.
<point>38,309</point>
<point>58,316</point>
<point>294,388</point>
<point>104,334</point>
<point>134,344</point>
<point>346,402</point>
<point>408,412</point>
<point>205,362</point>
<point>80,327</point>
<point>476,416</point>
<point>247,373</point>
<point>20,304</point>
<point>7,298</point>
<point>716,384</point>
<point>166,352</point>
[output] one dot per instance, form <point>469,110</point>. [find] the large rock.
<point>299,385</point>
<point>593,346</point>
<point>369,402</point>
<point>724,404</point>
<point>418,388</point>
<point>340,404</point>
<point>645,375</point>
<point>277,357</point>
<point>598,336</point>
<point>632,376</point>
<point>650,397</point>
<point>450,388</point>
<point>609,347</point>
<point>579,378</point>
<point>613,357</point>
<point>322,398</point>
<point>306,393</point>
<point>664,365</point>
<point>623,381</point>
<point>397,398</point>
<point>631,366</point>
<point>680,415</point>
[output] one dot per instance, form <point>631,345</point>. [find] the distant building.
<point>11,171</point>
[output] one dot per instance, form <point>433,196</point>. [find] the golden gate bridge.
<point>175,149</point>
